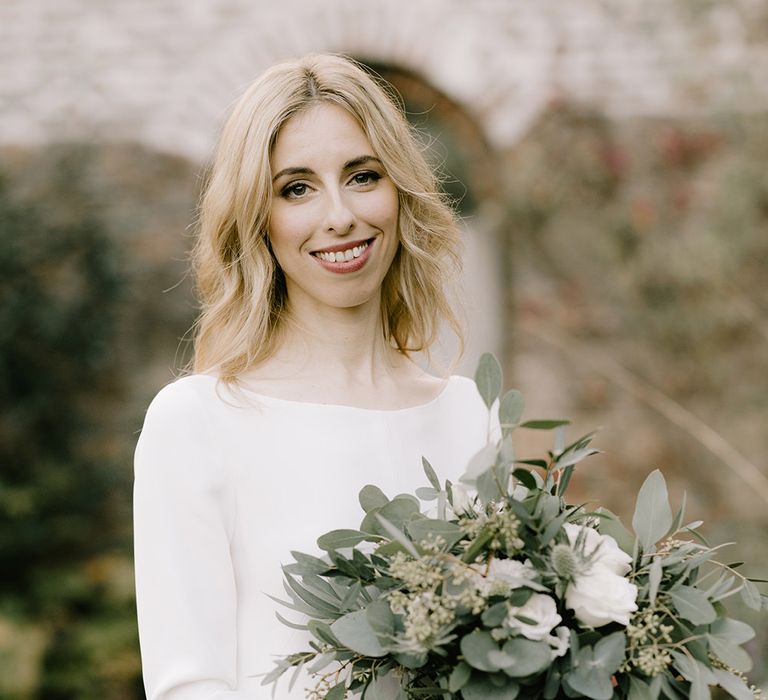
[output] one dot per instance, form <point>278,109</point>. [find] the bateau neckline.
<point>347,407</point>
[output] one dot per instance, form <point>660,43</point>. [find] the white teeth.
<point>343,255</point>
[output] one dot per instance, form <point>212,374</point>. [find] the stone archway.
<point>469,168</point>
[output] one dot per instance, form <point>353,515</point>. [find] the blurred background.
<point>608,158</point>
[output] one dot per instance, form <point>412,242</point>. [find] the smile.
<point>341,260</point>
<point>343,255</point>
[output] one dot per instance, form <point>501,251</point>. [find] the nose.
<point>339,217</point>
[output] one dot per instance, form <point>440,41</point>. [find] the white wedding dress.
<point>226,486</point>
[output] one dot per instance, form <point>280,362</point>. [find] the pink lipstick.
<point>345,257</point>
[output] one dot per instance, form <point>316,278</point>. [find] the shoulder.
<point>185,396</point>
<point>464,384</point>
<point>465,389</point>
<point>178,461</point>
<point>183,411</point>
<point>197,398</point>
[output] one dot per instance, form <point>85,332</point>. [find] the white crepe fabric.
<point>228,483</point>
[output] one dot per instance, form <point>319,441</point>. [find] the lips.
<point>345,258</point>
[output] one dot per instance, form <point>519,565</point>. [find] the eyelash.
<point>289,191</point>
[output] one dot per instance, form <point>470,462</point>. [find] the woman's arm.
<point>183,519</point>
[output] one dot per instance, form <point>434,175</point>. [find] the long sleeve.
<point>185,586</point>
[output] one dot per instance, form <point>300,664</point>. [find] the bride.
<point>322,255</point>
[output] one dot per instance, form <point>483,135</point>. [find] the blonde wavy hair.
<point>241,287</point>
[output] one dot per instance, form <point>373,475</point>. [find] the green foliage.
<point>653,516</point>
<point>79,319</point>
<point>520,593</point>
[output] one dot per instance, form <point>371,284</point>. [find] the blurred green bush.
<point>79,322</point>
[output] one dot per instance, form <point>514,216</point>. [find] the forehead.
<point>324,131</point>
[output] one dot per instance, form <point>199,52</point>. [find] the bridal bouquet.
<point>506,590</point>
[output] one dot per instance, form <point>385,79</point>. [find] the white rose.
<point>511,572</point>
<point>601,596</point>
<point>462,499</point>
<point>608,552</point>
<point>559,641</point>
<point>542,610</point>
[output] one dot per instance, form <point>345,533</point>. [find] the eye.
<point>367,177</point>
<point>294,190</point>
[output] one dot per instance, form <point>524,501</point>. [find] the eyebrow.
<point>355,162</point>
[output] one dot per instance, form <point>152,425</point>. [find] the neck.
<point>343,345</point>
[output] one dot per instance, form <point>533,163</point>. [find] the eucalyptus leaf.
<point>411,661</point>
<point>322,604</point>
<point>295,604</point>
<point>589,682</point>
<point>295,675</point>
<point>321,662</point>
<point>479,463</point>
<point>544,424</point>
<point>510,410</point>
<point>488,378</point>
<point>398,536</point>
<point>733,685</point>
<point>609,651</point>
<point>572,457</point>
<point>476,647</point>
<point>355,632</point>
<point>552,683</point>
<point>654,579</point>
<point>338,692</point>
<point>489,485</point>
<point>699,691</point>
<point>320,586</point>
<point>730,654</point>
<point>751,596</point>
<point>639,690</point>
<point>653,515</point>
<point>593,667</point>
<point>322,631</point>
<point>482,688</point>
<point>613,526</point>
<point>459,677</point>
<point>495,614</point>
<point>729,630</point>
<point>381,618</point>
<point>527,657</point>
<point>400,510</point>
<point>288,623</point>
<point>371,497</point>
<point>430,473</point>
<point>383,686</point>
<point>275,673</point>
<point>692,669</point>
<point>693,605</point>
<point>314,565</point>
<point>525,477</point>
<point>507,452</point>
<point>678,519</point>
<point>349,601</point>
<point>426,493</point>
<point>339,539</point>
<point>422,530</point>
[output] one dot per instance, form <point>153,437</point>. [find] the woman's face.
<point>334,217</point>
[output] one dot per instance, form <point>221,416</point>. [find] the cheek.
<point>384,209</point>
<point>288,227</point>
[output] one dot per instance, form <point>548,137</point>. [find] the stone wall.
<point>161,72</point>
